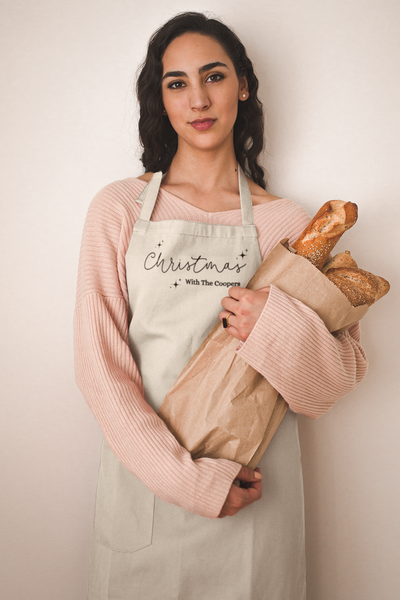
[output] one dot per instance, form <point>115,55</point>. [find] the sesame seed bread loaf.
<point>319,238</point>
<point>359,286</point>
<point>343,259</point>
<point>324,231</point>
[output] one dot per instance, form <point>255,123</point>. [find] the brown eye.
<point>176,85</point>
<point>215,77</point>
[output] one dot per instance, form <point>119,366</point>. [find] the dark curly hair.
<point>158,138</point>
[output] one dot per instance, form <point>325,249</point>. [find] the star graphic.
<point>175,285</point>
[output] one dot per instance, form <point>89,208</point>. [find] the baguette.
<point>324,231</point>
<point>359,286</point>
<point>319,238</point>
<point>343,259</point>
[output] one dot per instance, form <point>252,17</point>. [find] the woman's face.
<point>200,91</point>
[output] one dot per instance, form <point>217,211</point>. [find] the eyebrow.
<point>201,70</point>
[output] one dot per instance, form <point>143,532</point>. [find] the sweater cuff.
<point>224,473</point>
<point>273,338</point>
<point>267,327</point>
<point>292,348</point>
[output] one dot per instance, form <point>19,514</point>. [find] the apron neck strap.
<point>246,202</point>
<point>150,193</point>
<point>149,196</point>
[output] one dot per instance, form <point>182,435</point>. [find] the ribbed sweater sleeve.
<point>109,379</point>
<point>291,347</point>
<point>310,367</point>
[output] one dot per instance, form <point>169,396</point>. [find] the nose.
<point>199,99</point>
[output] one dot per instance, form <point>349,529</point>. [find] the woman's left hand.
<point>242,309</point>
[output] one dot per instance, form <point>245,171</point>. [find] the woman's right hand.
<point>240,497</point>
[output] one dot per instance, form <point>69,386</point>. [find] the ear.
<point>243,89</point>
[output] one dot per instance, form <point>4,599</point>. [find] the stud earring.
<point>244,95</point>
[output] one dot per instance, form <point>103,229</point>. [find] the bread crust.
<point>343,259</point>
<point>319,238</point>
<point>359,286</point>
<point>325,230</point>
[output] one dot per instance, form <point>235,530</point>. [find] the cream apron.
<point>144,548</point>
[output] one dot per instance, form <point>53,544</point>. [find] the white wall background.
<point>329,72</point>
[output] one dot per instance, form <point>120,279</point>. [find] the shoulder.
<point>277,220</point>
<point>259,195</point>
<point>113,212</point>
<point>117,198</point>
<point>283,210</point>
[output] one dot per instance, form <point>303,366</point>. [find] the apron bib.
<point>177,274</point>
<point>144,548</point>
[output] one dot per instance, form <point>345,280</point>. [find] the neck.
<point>205,171</point>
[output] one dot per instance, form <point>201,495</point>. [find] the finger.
<point>228,319</point>
<point>226,314</point>
<point>247,484</point>
<point>237,292</point>
<point>246,474</point>
<point>228,325</point>
<point>246,496</point>
<point>229,304</point>
<point>246,296</point>
<point>253,493</point>
<point>239,498</point>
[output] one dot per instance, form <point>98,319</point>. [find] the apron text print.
<point>195,264</point>
<point>216,283</point>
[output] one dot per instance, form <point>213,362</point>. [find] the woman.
<point>158,256</point>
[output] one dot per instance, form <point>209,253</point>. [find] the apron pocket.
<point>124,507</point>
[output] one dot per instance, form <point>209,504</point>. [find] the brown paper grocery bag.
<point>221,407</point>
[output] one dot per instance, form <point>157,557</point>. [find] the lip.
<point>202,124</point>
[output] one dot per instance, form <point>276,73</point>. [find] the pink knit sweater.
<point>289,345</point>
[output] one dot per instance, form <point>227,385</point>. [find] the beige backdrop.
<point>329,74</point>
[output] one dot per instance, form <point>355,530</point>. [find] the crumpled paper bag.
<point>219,406</point>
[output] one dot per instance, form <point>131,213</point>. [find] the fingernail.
<point>257,475</point>
<point>224,322</point>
